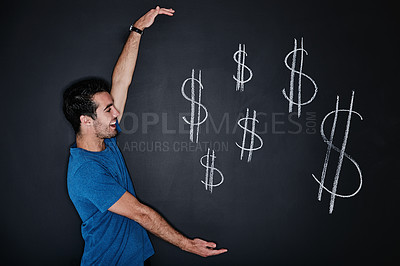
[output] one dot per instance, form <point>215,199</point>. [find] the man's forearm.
<point>123,72</point>
<point>131,208</point>
<point>156,224</point>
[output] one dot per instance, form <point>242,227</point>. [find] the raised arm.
<point>125,66</point>
<point>130,207</point>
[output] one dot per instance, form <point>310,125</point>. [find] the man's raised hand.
<point>147,19</point>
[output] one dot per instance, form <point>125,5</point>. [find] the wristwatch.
<point>133,28</point>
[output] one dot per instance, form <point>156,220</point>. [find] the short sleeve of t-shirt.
<point>96,184</point>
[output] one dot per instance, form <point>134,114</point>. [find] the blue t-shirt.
<point>96,180</point>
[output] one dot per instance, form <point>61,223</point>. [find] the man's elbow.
<point>121,82</point>
<point>144,219</point>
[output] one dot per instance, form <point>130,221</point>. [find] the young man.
<point>99,185</point>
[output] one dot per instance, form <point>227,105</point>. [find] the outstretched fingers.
<point>148,18</point>
<point>165,11</point>
<point>206,249</point>
<point>215,252</point>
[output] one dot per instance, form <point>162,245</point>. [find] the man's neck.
<point>90,143</point>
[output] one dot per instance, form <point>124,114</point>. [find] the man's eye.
<point>108,110</point>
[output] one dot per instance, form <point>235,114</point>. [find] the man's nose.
<point>115,112</point>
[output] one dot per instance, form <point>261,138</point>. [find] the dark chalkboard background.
<point>266,212</point>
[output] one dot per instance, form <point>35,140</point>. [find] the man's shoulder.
<point>83,162</point>
<point>84,173</point>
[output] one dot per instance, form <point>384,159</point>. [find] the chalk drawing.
<point>193,105</point>
<point>293,71</point>
<point>239,57</point>
<point>341,151</point>
<point>209,178</point>
<point>252,135</point>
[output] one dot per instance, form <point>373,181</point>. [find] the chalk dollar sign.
<point>209,178</point>
<point>239,57</point>
<point>252,135</point>
<point>193,105</point>
<point>341,152</point>
<point>300,73</point>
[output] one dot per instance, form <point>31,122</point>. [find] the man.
<point>99,185</point>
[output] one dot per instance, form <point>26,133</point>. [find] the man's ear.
<point>86,120</point>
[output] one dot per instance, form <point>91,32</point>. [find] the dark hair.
<point>78,99</point>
